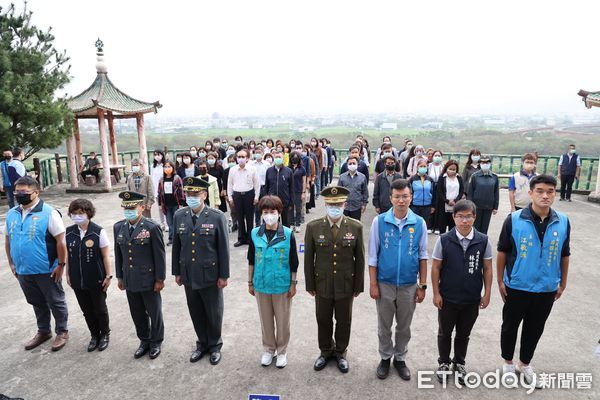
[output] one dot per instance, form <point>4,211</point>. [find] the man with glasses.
<point>37,252</point>
<point>462,265</point>
<point>398,275</point>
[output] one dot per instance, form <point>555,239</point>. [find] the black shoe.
<point>569,200</point>
<point>141,351</point>
<point>342,364</point>
<point>320,363</point>
<point>561,199</point>
<point>383,369</point>
<point>93,344</point>
<point>442,372</point>
<point>239,243</point>
<point>234,228</point>
<point>460,372</point>
<point>103,341</point>
<point>402,369</point>
<point>197,355</point>
<point>215,357</point>
<point>154,351</point>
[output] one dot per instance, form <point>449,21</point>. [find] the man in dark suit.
<point>140,267</point>
<point>201,263</point>
<point>334,262</point>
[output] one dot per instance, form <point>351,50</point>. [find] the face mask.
<point>238,142</point>
<point>187,160</point>
<point>475,158</point>
<point>485,167</point>
<point>258,156</point>
<point>409,146</point>
<point>314,144</point>
<point>193,202</point>
<point>178,159</point>
<point>232,164</point>
<point>422,170</point>
<point>135,168</point>
<point>387,154</point>
<point>451,172</point>
<point>270,219</point>
<point>241,160</point>
<point>202,154</point>
<point>278,161</point>
<point>209,148</point>
<point>573,151</point>
<point>230,152</point>
<point>23,199</point>
<point>7,158</point>
<point>279,149</point>
<point>79,219</point>
<point>418,153</point>
<point>168,170</point>
<point>437,159</point>
<point>352,167</point>
<point>390,167</point>
<point>130,215</point>
<point>269,161</point>
<point>193,153</point>
<point>224,145</point>
<point>203,171</point>
<point>295,161</point>
<point>211,161</point>
<point>158,158</point>
<point>334,212</point>
<point>387,142</point>
<point>304,154</point>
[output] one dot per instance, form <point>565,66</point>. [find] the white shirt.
<point>103,237</point>
<point>434,171</point>
<point>452,187</point>
<point>156,174</point>
<point>243,180</point>
<point>261,169</point>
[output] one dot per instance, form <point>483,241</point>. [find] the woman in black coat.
<point>450,189</point>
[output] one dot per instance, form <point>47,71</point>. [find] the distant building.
<point>389,126</point>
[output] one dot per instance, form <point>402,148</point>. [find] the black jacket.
<point>278,182</point>
<point>86,266</point>
<point>382,192</point>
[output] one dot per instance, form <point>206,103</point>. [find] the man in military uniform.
<point>201,263</point>
<point>140,266</point>
<point>334,262</point>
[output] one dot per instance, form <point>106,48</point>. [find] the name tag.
<point>168,187</point>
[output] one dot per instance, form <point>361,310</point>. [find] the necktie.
<point>194,219</point>
<point>334,231</point>
<point>130,230</point>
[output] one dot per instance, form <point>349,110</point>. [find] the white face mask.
<point>79,219</point>
<point>270,219</point>
<point>352,167</point>
<point>158,158</point>
<point>135,168</point>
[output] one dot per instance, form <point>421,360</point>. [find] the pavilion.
<point>105,102</point>
<point>592,99</point>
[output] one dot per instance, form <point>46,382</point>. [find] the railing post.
<point>58,168</point>
<point>37,170</point>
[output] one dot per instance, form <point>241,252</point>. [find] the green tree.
<point>32,70</point>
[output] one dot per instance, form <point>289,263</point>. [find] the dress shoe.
<point>383,369</point>
<point>239,243</point>
<point>197,355</point>
<point>38,339</point>
<point>103,341</point>
<point>402,369</point>
<point>93,345</point>
<point>154,351</point>
<point>141,351</point>
<point>343,365</point>
<point>215,357</point>
<point>60,340</point>
<point>320,363</point>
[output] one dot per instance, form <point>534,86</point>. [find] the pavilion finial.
<point>100,65</point>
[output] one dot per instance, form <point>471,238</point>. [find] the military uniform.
<point>140,261</point>
<point>200,257</point>
<point>334,269</point>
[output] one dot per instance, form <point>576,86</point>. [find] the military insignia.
<point>208,226</point>
<point>334,191</point>
<point>126,195</point>
<point>89,243</point>
<point>349,236</point>
<point>321,236</point>
<point>144,234</point>
<point>190,180</point>
<point>411,230</point>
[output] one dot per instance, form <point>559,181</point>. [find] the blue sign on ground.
<point>264,397</point>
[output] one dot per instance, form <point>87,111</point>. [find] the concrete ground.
<point>567,345</point>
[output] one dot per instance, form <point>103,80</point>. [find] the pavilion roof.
<point>591,99</point>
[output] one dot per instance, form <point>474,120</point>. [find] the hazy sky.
<point>254,56</point>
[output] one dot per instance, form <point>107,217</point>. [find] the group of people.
<point>40,250</point>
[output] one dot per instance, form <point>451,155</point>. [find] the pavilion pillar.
<point>104,145</point>
<point>598,180</point>
<point>78,150</point>
<point>113,140</point>
<point>143,157</point>
<point>71,162</point>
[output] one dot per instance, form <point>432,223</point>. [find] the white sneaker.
<point>266,359</point>
<point>281,360</point>
<point>529,376</point>
<point>509,369</point>
<point>297,229</point>
<point>429,231</point>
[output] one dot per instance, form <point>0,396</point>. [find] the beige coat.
<point>146,188</point>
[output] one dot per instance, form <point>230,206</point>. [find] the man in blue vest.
<point>462,264</point>
<point>532,267</point>
<point>569,167</point>
<point>36,252</point>
<point>10,170</point>
<point>398,274</point>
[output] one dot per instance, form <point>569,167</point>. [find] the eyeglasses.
<point>464,217</point>
<point>403,197</point>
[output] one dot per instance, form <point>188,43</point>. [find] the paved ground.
<point>567,345</point>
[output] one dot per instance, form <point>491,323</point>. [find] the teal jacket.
<point>272,273</point>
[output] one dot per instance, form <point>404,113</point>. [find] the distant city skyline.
<point>314,57</point>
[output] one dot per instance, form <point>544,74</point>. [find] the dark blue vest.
<point>461,275</point>
<point>86,266</point>
<point>569,167</point>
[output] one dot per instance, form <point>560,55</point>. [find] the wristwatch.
<point>295,282</point>
<point>422,285</point>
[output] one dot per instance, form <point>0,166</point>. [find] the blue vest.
<point>32,247</point>
<point>422,192</point>
<point>398,253</point>
<point>461,275</point>
<point>535,266</point>
<point>272,260</point>
<point>569,167</point>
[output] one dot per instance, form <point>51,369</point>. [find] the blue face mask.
<point>334,212</point>
<point>485,167</point>
<point>130,215</point>
<point>194,202</point>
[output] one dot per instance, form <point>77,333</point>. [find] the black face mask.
<point>203,171</point>
<point>7,158</point>
<point>23,199</point>
<point>390,167</point>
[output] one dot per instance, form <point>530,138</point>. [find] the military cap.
<point>335,194</point>
<point>131,199</point>
<point>194,184</point>
<point>485,158</point>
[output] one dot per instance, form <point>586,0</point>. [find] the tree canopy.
<point>32,70</point>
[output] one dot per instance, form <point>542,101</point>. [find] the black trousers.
<point>94,172</point>
<point>285,215</point>
<point>206,309</point>
<point>146,312</point>
<point>95,311</point>
<point>533,310</point>
<point>257,216</point>
<point>461,316</point>
<point>482,220</point>
<point>566,186</point>
<point>244,211</point>
<point>423,211</point>
<point>332,344</point>
<point>445,221</point>
<point>353,214</point>
<point>324,179</point>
